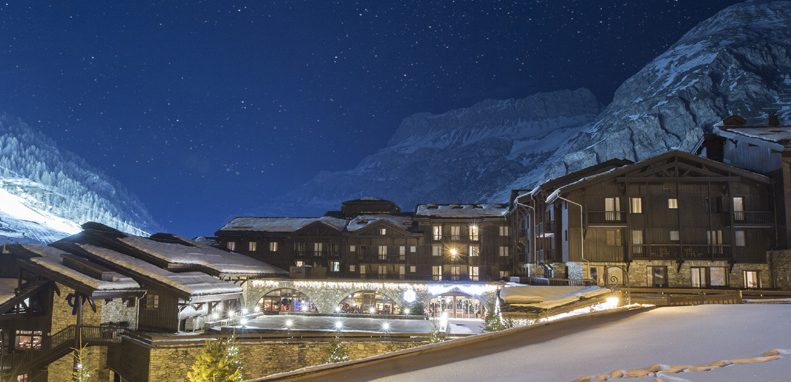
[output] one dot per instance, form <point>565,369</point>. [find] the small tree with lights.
<point>337,351</point>
<point>81,372</point>
<point>219,361</point>
<point>493,322</point>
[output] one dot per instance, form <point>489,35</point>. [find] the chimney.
<point>733,121</point>
<point>774,120</point>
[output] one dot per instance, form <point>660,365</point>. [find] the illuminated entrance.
<point>368,302</point>
<point>456,304</point>
<point>286,300</point>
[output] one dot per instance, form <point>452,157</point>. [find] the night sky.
<point>206,110</point>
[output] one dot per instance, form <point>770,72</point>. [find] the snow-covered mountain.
<point>46,193</point>
<point>736,62</point>
<point>456,156</point>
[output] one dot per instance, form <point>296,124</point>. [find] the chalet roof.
<point>7,289</point>
<point>576,175</point>
<point>774,131</point>
<point>461,210</point>
<point>189,283</point>
<point>363,221</point>
<point>51,259</point>
<point>670,154</point>
<point>183,251</point>
<point>280,224</point>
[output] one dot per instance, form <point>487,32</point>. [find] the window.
<point>383,231</point>
<point>273,246</point>
<point>29,339</point>
<point>738,208</point>
<point>504,274</point>
<point>300,263</point>
<point>382,271</point>
<point>22,378</point>
<point>362,270</point>
<point>672,203</point>
<point>738,238</point>
<point>318,248</point>
<point>612,209</point>
<point>412,268</point>
<point>152,302</point>
<point>252,246</point>
<point>473,271</point>
<point>637,241</point>
<point>231,245</point>
<point>474,232</point>
<point>718,277</point>
<point>412,248</point>
<point>402,252</point>
<point>674,235</point>
<point>299,248</point>
<point>352,268</point>
<point>751,280</point>
<point>595,274</point>
<point>636,205</point>
<point>714,240</point>
<point>700,277</point>
<point>382,252</point>
<point>657,277</point>
<point>475,250</point>
<point>436,250</point>
<point>335,266</point>
<point>436,272</point>
<point>455,232</point>
<point>503,250</point>
<point>455,272</point>
<point>437,230</point>
<point>613,237</point>
<point>503,230</point>
<point>401,271</point>
<point>352,248</point>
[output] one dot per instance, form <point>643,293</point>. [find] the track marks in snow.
<point>661,372</point>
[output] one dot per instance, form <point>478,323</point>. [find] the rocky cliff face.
<point>45,193</point>
<point>456,156</point>
<point>736,62</point>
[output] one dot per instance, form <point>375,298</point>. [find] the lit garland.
<point>430,287</point>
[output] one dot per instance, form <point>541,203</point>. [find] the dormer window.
<point>383,231</point>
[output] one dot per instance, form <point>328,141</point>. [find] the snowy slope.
<point>455,156</point>
<point>736,62</point>
<point>45,193</point>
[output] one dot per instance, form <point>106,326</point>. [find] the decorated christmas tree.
<point>337,351</point>
<point>218,362</point>
<point>81,372</point>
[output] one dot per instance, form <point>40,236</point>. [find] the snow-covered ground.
<point>733,342</point>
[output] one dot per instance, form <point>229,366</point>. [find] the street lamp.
<point>454,252</point>
<point>338,325</point>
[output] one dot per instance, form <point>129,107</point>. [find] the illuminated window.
<point>29,339</point>
<point>437,230</point>
<point>300,263</point>
<point>436,272</point>
<point>612,209</point>
<point>252,246</point>
<point>503,250</point>
<point>318,248</point>
<point>412,248</point>
<point>436,250</point>
<point>335,266</point>
<point>455,232</point>
<point>382,271</point>
<point>231,245</point>
<point>474,232</point>
<point>613,237</point>
<point>352,248</point>
<point>455,272</point>
<point>362,270</point>
<point>738,239</point>
<point>504,274</point>
<point>401,271</point>
<point>152,302</point>
<point>738,208</point>
<point>636,205</point>
<point>503,230</point>
<point>383,231</point>
<point>751,280</point>
<point>352,268</point>
<point>273,246</point>
<point>637,241</point>
<point>382,252</point>
<point>473,273</point>
<point>674,235</point>
<point>402,252</point>
<point>475,250</point>
<point>672,203</point>
<point>412,268</point>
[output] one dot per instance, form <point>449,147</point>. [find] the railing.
<point>753,217</point>
<point>680,252</point>
<point>559,282</point>
<point>602,217</point>
<point>679,297</point>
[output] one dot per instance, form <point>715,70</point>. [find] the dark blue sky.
<point>207,109</point>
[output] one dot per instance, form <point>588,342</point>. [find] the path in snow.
<point>565,351</point>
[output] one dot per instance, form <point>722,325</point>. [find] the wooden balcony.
<point>681,252</point>
<point>606,218</point>
<point>753,218</point>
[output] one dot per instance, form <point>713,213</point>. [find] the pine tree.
<point>337,351</point>
<point>81,372</point>
<point>436,334</point>
<point>218,362</point>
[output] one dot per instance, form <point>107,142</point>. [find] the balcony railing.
<point>753,217</point>
<point>603,217</point>
<point>680,252</point>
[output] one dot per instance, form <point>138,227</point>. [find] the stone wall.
<point>780,263</point>
<point>638,274</point>
<point>260,358</point>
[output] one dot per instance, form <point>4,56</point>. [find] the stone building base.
<point>637,273</point>
<point>780,265</point>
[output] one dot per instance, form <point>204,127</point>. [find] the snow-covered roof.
<point>7,289</point>
<point>219,261</point>
<point>548,297</point>
<point>192,283</point>
<point>461,210</point>
<point>775,134</point>
<point>52,259</point>
<point>362,221</point>
<point>280,224</point>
